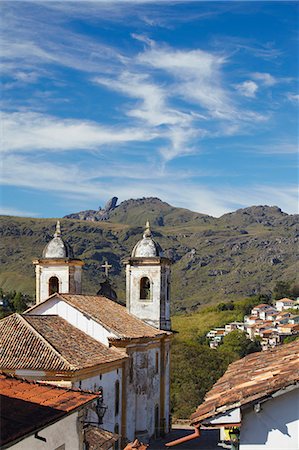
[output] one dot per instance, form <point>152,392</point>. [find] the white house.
<point>284,303</point>
<point>36,416</point>
<point>257,401</point>
<point>92,342</point>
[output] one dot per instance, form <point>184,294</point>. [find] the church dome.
<point>147,247</point>
<point>57,248</point>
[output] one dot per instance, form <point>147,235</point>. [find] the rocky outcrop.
<point>92,215</point>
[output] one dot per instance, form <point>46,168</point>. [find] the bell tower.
<point>57,270</point>
<point>148,283</point>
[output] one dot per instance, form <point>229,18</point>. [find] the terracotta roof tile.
<point>99,439</point>
<point>28,406</point>
<point>256,376</point>
<point>49,343</point>
<point>112,316</point>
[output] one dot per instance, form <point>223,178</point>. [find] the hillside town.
<point>270,324</point>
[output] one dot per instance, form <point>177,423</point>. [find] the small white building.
<point>256,400</point>
<point>38,416</point>
<point>284,303</point>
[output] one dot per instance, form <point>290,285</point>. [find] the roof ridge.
<point>46,342</point>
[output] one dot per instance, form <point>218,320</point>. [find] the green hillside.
<point>238,255</point>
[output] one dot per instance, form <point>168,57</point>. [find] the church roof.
<point>250,379</point>
<point>49,343</point>
<point>110,315</point>
<point>27,406</point>
<point>147,247</point>
<point>57,247</point>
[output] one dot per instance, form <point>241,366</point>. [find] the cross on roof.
<point>106,266</point>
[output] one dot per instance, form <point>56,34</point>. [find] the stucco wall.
<point>275,427</point>
<point>107,382</point>
<point>156,310</point>
<point>143,392</point>
<point>64,431</point>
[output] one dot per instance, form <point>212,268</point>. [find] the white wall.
<point>64,431</point>
<point>107,382</point>
<point>275,427</point>
<point>75,318</point>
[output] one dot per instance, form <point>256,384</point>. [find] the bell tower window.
<point>53,285</point>
<point>145,289</point>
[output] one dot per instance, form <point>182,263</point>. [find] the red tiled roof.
<point>28,406</point>
<point>251,378</point>
<point>111,315</point>
<point>262,305</point>
<point>285,299</point>
<point>49,343</point>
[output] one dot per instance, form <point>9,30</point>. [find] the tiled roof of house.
<point>28,406</point>
<point>250,379</point>
<point>99,439</point>
<point>286,300</point>
<point>49,343</point>
<point>262,306</point>
<point>111,315</point>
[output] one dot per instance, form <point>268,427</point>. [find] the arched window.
<point>53,285</point>
<point>116,397</point>
<point>145,289</point>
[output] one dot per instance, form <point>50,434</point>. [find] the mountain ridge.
<point>215,259</point>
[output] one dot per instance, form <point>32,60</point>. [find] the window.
<point>145,289</point>
<point>53,285</point>
<point>116,397</point>
<point>157,362</point>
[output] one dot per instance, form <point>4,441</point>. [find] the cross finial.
<point>147,232</point>
<point>58,230</point>
<point>106,266</point>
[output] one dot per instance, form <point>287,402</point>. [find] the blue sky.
<point>192,102</point>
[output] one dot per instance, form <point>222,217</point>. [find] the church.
<point>93,343</point>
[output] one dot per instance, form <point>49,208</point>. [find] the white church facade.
<point>93,343</point>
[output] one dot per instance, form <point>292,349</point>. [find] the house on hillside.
<point>284,303</point>
<point>256,400</point>
<point>41,416</point>
<point>92,342</point>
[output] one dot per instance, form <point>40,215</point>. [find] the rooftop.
<point>27,406</point>
<point>111,315</point>
<point>49,343</point>
<point>252,378</point>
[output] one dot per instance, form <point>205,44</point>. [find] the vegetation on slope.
<point>215,260</point>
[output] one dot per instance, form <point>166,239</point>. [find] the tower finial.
<point>147,231</point>
<point>58,230</point>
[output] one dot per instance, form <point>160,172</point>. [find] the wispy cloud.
<point>16,212</point>
<point>28,131</point>
<point>294,98</point>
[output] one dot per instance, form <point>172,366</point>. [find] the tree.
<point>237,342</point>
<point>281,290</point>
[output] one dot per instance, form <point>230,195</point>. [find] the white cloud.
<point>265,78</point>
<point>198,76</point>
<point>7,211</point>
<point>293,97</point>
<point>248,88</point>
<point>28,131</point>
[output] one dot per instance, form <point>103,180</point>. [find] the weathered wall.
<point>143,392</point>
<point>106,382</point>
<point>275,427</point>
<point>69,279</point>
<point>64,431</point>
<point>156,310</point>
